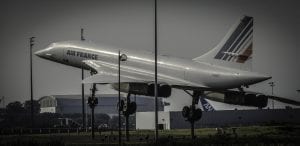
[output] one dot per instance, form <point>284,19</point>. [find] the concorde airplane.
<point>211,76</point>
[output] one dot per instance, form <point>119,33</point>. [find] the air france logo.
<point>82,54</point>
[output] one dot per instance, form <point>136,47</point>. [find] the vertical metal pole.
<point>127,127</point>
<point>93,104</point>
<point>93,122</point>
<point>82,86</point>
<point>81,36</point>
<point>31,84</point>
<point>86,118</point>
<point>127,117</point>
<point>155,88</point>
<point>272,95</point>
<point>119,98</point>
<point>193,110</point>
<point>272,85</point>
<point>82,96</point>
<point>192,129</point>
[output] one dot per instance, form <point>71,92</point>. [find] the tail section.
<point>205,105</point>
<point>235,49</point>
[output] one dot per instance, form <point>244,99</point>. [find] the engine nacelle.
<point>164,90</point>
<point>239,98</point>
<point>247,99</point>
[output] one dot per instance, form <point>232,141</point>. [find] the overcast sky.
<point>187,29</point>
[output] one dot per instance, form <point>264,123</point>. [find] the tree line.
<point>18,115</point>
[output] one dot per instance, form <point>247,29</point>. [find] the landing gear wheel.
<point>185,111</point>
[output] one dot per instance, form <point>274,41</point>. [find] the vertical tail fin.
<point>205,105</point>
<point>235,49</point>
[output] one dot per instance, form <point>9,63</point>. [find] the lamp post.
<point>31,41</point>
<point>82,86</point>
<point>272,84</point>
<point>155,76</point>
<point>122,57</point>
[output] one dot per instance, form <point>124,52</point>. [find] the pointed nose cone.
<point>39,53</point>
<point>44,53</point>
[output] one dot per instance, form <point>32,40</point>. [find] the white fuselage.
<point>192,73</point>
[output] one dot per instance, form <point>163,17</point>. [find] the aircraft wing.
<point>280,99</point>
<point>285,100</point>
<point>247,98</point>
<point>108,73</point>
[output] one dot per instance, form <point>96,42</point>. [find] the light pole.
<point>31,41</point>
<point>82,86</point>
<point>272,84</point>
<point>155,87</point>
<point>122,57</point>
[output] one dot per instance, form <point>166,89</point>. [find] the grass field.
<point>252,135</point>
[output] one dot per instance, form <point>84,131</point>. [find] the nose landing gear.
<point>191,113</point>
<point>128,108</point>
<point>93,101</point>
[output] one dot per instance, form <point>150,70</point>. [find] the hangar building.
<point>107,103</point>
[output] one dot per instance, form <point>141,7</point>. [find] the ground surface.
<point>252,135</point>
